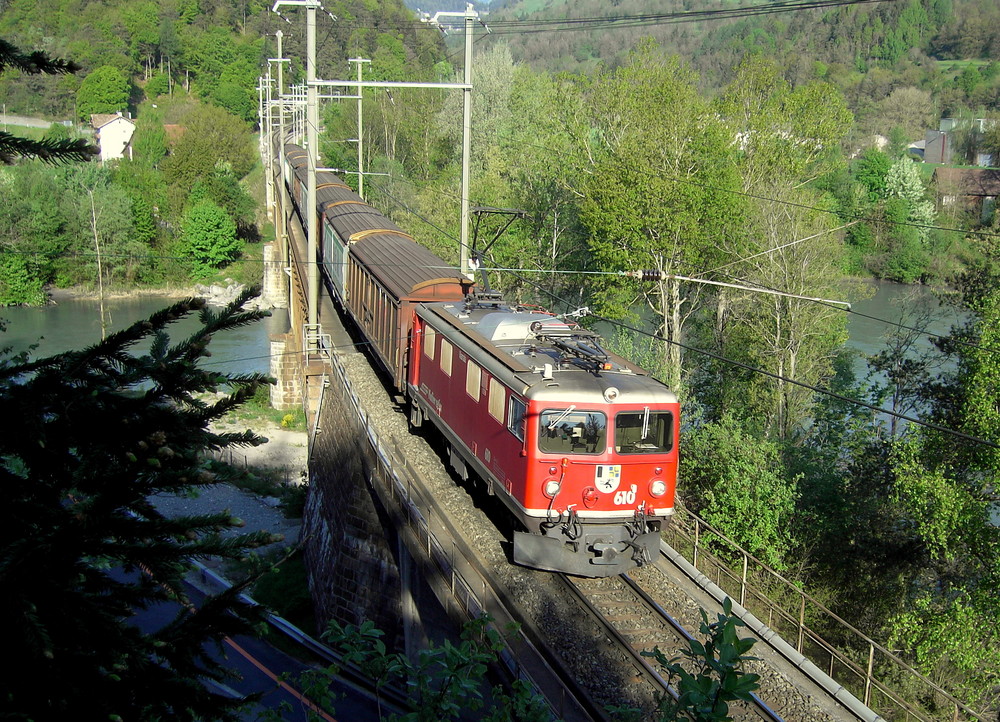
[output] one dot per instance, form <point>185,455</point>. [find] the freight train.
<point>579,444</point>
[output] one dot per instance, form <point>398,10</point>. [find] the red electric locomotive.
<point>580,444</point>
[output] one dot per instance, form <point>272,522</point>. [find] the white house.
<point>113,134</point>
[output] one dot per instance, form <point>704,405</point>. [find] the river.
<point>892,303</point>
<point>76,323</point>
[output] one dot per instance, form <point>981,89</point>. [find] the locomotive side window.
<point>644,432</point>
<point>429,336</point>
<point>515,417</point>
<point>498,399</point>
<point>446,357</point>
<point>473,377</point>
<point>567,431</point>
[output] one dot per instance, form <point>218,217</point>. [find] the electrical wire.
<point>515,271</point>
<point>536,25</point>
<point>753,369</point>
<point>778,377</point>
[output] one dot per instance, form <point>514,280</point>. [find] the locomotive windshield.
<point>644,432</point>
<point>567,431</point>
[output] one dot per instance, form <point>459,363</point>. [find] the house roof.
<point>173,131</point>
<point>99,120</point>
<point>968,181</point>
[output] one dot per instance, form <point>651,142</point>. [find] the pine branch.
<point>47,149</point>
<point>34,63</point>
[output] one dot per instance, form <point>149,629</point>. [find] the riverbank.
<point>216,294</point>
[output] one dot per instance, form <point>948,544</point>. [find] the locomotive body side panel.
<point>471,406</point>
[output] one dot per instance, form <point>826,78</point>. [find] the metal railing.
<point>855,660</point>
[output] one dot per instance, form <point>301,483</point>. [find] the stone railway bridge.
<point>359,569</point>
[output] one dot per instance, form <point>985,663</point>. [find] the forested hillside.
<point>181,208</point>
<point>948,48</point>
<point>213,48</point>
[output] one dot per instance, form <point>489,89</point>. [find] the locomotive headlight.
<point>551,488</point>
<point>657,487</point>
<point>610,394</point>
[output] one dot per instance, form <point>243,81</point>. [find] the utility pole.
<point>469,15</point>
<point>264,101</point>
<point>361,132</point>
<point>312,142</point>
<point>281,92</point>
<point>280,222</point>
<point>312,123</point>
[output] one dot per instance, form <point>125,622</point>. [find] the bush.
<point>209,237</point>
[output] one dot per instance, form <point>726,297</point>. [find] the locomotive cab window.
<point>567,431</point>
<point>644,432</point>
<point>515,417</point>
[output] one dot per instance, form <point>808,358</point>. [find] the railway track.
<point>598,661</point>
<point>634,622</point>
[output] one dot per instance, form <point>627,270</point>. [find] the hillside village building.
<point>113,133</point>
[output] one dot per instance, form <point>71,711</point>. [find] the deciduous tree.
<point>656,192</point>
<point>209,237</point>
<point>105,90</point>
<point>211,136</point>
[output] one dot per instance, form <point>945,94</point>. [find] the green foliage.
<point>21,284</point>
<point>223,188</point>
<point>284,589</point>
<point>83,548</point>
<point>870,170</point>
<point>209,237</point>
<point>711,677</point>
<point>105,90</point>
<point>149,142</point>
<point>156,86</point>
<point>212,138</point>
<point>654,196</point>
<point>446,681</point>
<point>741,487</point>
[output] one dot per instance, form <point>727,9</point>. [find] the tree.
<point>786,244</point>
<point>655,195</point>
<point>741,487</point>
<point>211,136</point>
<point>445,681</point>
<point>209,237</point>
<point>83,548</point>
<point>909,109</point>
<point>105,90</point>
<point>51,150</point>
<point>943,484</point>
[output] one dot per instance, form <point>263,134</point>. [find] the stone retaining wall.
<point>353,575</point>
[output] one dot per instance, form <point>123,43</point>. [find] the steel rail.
<point>757,705</point>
